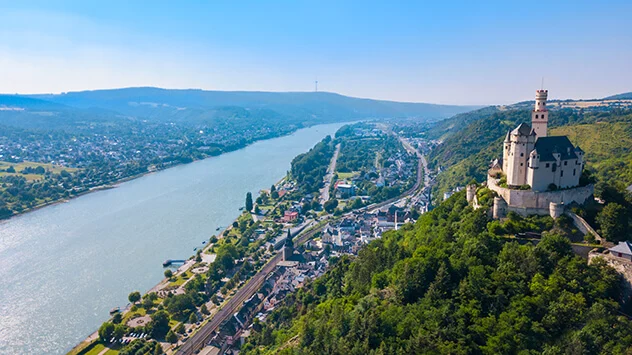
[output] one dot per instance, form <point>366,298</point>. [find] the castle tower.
<point>521,143</point>
<point>540,114</point>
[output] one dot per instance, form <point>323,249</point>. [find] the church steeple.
<point>540,114</point>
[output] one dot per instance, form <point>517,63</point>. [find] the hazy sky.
<point>425,51</point>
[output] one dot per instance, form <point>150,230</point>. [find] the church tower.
<point>540,114</point>
<point>288,248</point>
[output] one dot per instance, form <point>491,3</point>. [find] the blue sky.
<point>425,51</point>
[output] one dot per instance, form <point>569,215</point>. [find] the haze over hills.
<point>188,103</point>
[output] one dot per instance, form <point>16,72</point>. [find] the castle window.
<point>547,165</point>
<point>573,172</point>
<point>522,154</point>
<point>565,163</point>
<point>536,116</point>
<point>561,173</point>
<point>521,164</point>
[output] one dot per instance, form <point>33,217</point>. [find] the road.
<point>420,179</point>
<point>198,340</point>
<point>324,192</point>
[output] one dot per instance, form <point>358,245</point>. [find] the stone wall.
<point>583,226</point>
<point>538,202</point>
<point>622,266</point>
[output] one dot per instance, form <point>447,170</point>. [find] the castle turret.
<point>522,140</point>
<point>470,192</point>
<point>540,114</point>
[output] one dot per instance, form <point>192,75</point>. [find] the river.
<point>63,267</point>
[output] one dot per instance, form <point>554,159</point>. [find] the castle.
<point>541,173</point>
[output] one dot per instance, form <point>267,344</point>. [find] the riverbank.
<point>87,254</point>
<point>88,343</point>
<point>116,183</point>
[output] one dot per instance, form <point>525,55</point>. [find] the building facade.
<point>532,158</point>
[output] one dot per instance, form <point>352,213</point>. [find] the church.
<point>538,173</point>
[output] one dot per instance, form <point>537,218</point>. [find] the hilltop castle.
<point>538,174</point>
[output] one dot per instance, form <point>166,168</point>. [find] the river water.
<point>63,267</point>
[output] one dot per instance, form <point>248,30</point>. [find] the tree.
<point>159,324</point>
<point>271,248</point>
<point>193,318</point>
<point>117,318</point>
<point>614,222</point>
<point>158,349</point>
<point>330,205</point>
<point>147,303</point>
<point>168,273</point>
<point>204,309</point>
<point>105,331</point>
<point>249,202</point>
<point>181,329</point>
<point>272,189</point>
<point>134,297</point>
<point>171,337</point>
<point>257,210</point>
<point>119,331</point>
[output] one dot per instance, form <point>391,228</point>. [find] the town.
<point>286,236</point>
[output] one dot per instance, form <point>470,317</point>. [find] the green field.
<point>608,147</point>
<point>56,169</point>
<point>347,176</point>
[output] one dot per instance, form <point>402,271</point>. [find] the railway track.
<point>198,340</point>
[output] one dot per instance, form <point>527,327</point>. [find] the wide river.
<point>63,267</point>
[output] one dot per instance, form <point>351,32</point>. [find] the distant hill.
<point>623,96</point>
<point>178,104</point>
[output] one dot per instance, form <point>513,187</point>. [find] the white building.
<point>542,173</point>
<point>544,163</point>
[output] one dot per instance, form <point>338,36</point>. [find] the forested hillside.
<point>450,285</point>
<point>466,154</point>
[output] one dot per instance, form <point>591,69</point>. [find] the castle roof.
<point>522,130</point>
<point>623,248</point>
<point>547,146</point>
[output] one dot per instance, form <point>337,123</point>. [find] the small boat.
<point>241,208</point>
<point>204,242</point>
<point>194,249</point>
<point>218,228</point>
<point>114,310</point>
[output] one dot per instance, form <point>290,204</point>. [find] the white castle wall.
<point>527,202</point>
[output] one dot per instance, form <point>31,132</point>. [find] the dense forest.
<point>450,284</point>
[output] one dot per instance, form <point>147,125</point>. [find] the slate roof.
<point>623,248</point>
<point>522,130</point>
<point>546,146</point>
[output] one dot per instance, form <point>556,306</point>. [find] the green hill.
<point>449,285</point>
<point>466,153</point>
